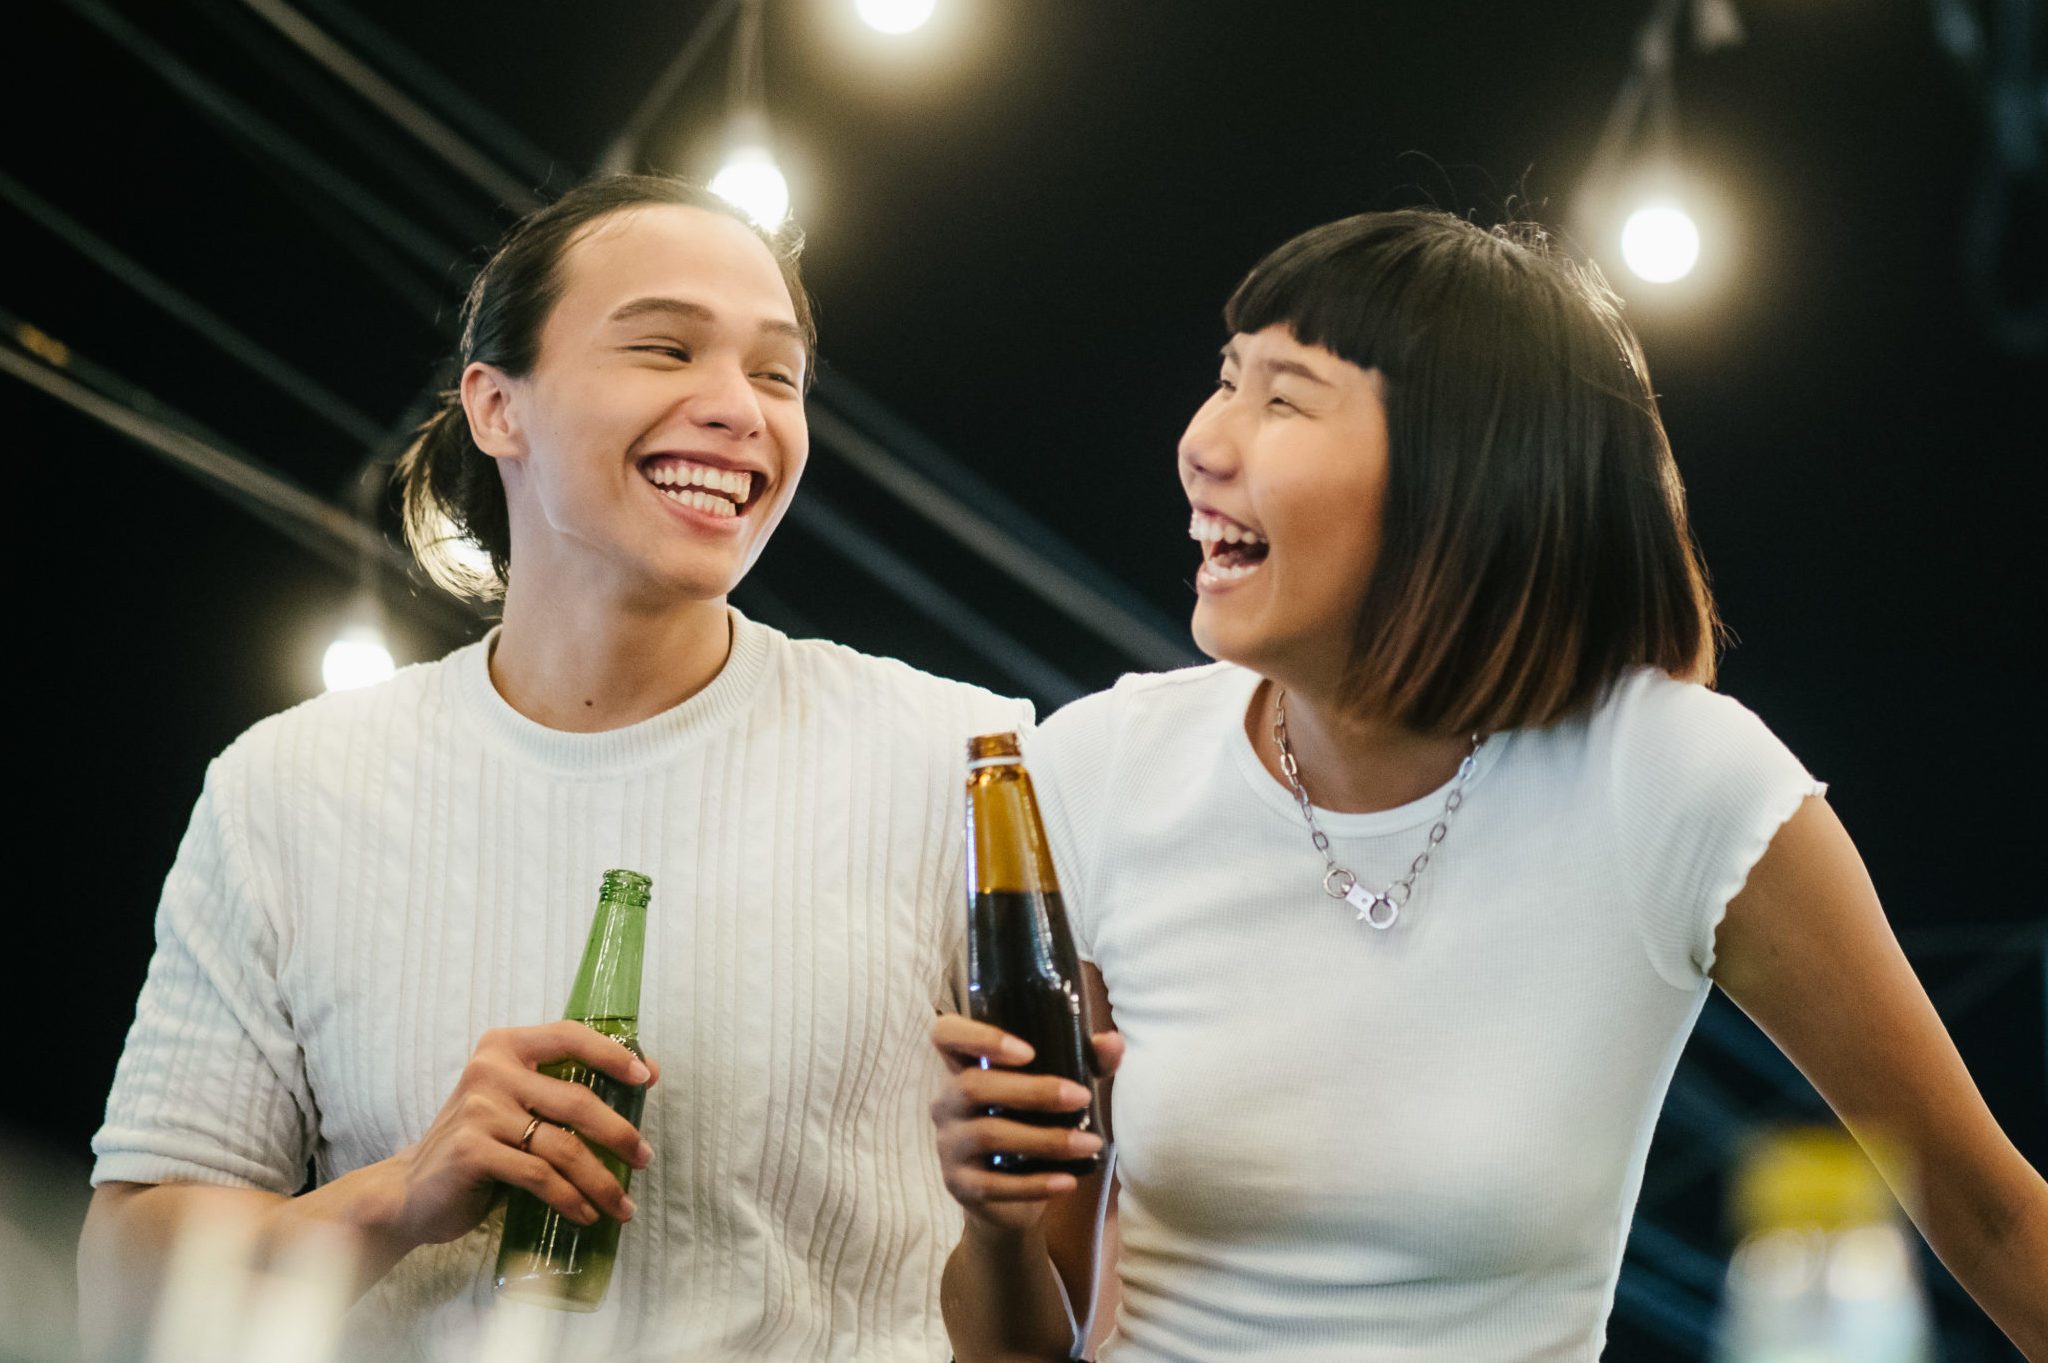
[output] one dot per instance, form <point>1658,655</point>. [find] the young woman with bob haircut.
<point>1405,906</point>
<point>383,894</point>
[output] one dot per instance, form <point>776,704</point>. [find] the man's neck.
<point>1351,763</point>
<point>594,666</point>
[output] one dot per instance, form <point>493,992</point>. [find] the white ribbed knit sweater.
<point>373,879</point>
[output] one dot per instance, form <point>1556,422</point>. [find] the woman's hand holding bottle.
<point>982,1061</point>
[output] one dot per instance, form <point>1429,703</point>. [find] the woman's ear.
<point>488,401</point>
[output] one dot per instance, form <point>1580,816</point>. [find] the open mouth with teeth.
<point>1230,551</point>
<point>717,492</point>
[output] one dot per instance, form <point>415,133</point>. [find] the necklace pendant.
<point>1374,910</point>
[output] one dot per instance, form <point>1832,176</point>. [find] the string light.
<point>751,181</point>
<point>1638,192</point>
<point>895,16</point>
<point>1660,242</point>
<point>357,657</point>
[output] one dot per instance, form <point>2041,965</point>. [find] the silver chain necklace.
<point>1375,910</point>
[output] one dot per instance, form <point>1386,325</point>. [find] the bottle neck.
<point>608,982</point>
<point>1006,844</point>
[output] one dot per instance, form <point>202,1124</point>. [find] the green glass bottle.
<point>545,1257</point>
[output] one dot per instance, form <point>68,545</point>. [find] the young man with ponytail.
<point>382,893</point>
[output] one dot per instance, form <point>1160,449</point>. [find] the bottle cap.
<point>984,747</point>
<point>630,886</point>
<point>1808,1176</point>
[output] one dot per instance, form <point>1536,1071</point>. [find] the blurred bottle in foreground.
<point>1824,1271</point>
<point>544,1257</point>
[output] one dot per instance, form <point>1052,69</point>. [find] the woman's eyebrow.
<point>1294,367</point>
<point>1275,366</point>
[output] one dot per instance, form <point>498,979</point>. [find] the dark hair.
<point>451,490</point>
<point>1535,543</point>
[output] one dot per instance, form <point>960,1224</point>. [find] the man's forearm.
<point>131,1230</point>
<point>1003,1301</point>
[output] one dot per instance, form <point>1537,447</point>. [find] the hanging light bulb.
<point>358,656</point>
<point>1660,242</point>
<point>895,16</point>
<point>750,180</point>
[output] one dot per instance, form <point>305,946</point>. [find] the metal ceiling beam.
<point>1042,681</point>
<point>281,374</point>
<point>530,163</point>
<point>628,149</point>
<point>326,530</point>
<point>480,170</point>
<point>244,122</point>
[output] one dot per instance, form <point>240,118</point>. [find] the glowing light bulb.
<point>358,657</point>
<point>751,182</point>
<point>895,16</point>
<point>1660,243</point>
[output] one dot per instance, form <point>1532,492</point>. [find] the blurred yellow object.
<point>1813,1176</point>
<point>1825,1270</point>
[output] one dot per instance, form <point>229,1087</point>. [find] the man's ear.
<point>487,400</point>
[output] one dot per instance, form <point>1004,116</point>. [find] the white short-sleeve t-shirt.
<point>1425,1143</point>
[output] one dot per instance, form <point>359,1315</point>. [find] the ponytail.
<point>453,505</point>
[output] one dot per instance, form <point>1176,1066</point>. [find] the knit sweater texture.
<point>373,879</point>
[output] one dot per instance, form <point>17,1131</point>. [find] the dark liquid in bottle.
<point>545,1256</point>
<point>1025,979</point>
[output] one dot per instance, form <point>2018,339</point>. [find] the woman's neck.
<point>1350,763</point>
<point>588,666</point>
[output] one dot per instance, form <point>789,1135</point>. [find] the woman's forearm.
<point>2000,1258</point>
<point>1002,1299</point>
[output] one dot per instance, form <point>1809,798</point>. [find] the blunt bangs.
<point>1311,286</point>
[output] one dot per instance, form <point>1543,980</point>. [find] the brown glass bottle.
<point>1022,972</point>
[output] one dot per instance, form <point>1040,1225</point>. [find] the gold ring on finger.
<point>526,1136</point>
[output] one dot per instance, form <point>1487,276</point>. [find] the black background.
<point>1022,223</point>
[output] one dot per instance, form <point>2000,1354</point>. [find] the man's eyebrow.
<point>672,307</point>
<point>683,310</point>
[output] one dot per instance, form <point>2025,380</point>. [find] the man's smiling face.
<point>661,433</point>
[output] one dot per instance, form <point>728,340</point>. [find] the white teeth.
<point>1208,528</point>
<point>730,485</point>
<point>732,482</point>
<point>1219,572</point>
<point>709,502</point>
